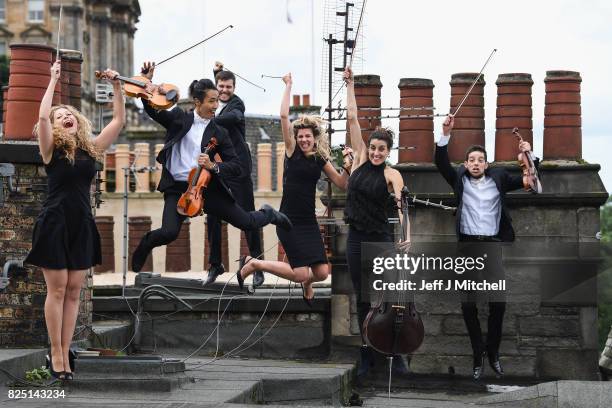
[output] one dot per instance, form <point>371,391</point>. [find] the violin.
<point>395,327</point>
<point>191,202</point>
<point>161,96</point>
<point>531,179</point>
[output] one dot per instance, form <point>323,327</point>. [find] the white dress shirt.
<point>220,108</point>
<point>185,153</point>
<point>481,210</point>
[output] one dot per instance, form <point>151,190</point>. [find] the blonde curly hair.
<point>68,144</point>
<point>318,127</point>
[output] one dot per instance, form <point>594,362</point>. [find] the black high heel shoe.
<point>60,375</point>
<point>241,262</point>
<point>306,300</point>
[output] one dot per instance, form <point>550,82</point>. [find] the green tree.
<point>4,77</point>
<point>604,281</point>
<point>4,71</point>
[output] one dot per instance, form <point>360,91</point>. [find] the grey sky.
<point>402,39</point>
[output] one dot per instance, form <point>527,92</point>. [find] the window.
<point>2,10</point>
<point>2,47</point>
<point>36,9</point>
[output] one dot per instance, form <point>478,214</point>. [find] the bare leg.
<point>71,311</point>
<point>56,280</point>
<point>277,268</point>
<point>319,273</point>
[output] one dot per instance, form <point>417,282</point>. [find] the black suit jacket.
<point>231,118</point>
<point>177,123</point>
<point>503,180</point>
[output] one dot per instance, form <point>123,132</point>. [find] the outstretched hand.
<point>347,158</point>
<point>287,79</point>
<point>348,75</point>
<point>218,66</point>
<point>403,246</point>
<point>56,70</point>
<point>448,124</point>
<point>524,146</point>
<point>111,76</point>
<point>148,68</point>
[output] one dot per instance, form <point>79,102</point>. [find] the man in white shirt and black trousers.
<point>482,216</point>
<point>187,135</point>
<point>230,115</point>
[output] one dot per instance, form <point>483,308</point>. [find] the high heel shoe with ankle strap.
<point>306,300</point>
<point>241,262</point>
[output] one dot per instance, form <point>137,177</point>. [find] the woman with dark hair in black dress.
<point>306,155</point>
<point>368,204</point>
<point>65,240</point>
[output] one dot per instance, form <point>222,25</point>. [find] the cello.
<point>395,327</point>
<point>191,202</point>
<point>531,179</point>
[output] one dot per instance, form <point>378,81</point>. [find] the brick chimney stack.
<point>417,132</point>
<point>28,80</point>
<point>513,110</point>
<point>562,116</point>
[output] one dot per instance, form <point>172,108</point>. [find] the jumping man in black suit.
<point>230,115</point>
<point>482,216</point>
<point>187,135</point>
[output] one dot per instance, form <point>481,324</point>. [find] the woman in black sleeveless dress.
<point>306,155</point>
<point>65,240</point>
<point>368,206</point>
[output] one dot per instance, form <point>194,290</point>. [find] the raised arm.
<point>163,117</point>
<point>359,147</point>
<point>110,132</point>
<point>284,115</point>
<point>232,115</point>
<point>441,156</point>
<point>44,128</point>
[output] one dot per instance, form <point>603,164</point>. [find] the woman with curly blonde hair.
<point>306,155</point>
<point>65,240</point>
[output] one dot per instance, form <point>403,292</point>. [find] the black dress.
<point>65,234</point>
<point>368,208</point>
<point>303,243</point>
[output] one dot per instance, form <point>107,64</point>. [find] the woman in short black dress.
<point>65,239</point>
<point>369,205</point>
<point>306,155</point>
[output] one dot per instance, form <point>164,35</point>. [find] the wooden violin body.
<point>531,179</point>
<point>395,327</point>
<point>191,202</point>
<point>161,96</point>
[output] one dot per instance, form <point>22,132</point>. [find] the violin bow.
<point>474,83</point>
<point>194,45</point>
<point>59,31</point>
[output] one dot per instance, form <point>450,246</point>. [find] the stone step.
<point>126,366</point>
<point>161,384</point>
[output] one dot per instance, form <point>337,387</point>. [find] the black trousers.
<point>242,189</point>
<point>495,321</point>
<point>216,203</point>
<point>353,258</point>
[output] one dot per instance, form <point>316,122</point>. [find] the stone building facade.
<point>102,30</point>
